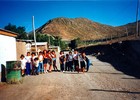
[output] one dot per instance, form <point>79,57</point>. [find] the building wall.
<point>43,47</point>
<point>21,49</point>
<point>40,46</point>
<point>55,48</point>
<point>7,49</point>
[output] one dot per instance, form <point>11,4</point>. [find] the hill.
<point>85,29</point>
<point>130,28</point>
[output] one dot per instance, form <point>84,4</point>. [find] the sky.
<point>109,12</point>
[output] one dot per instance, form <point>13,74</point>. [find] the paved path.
<point>102,82</point>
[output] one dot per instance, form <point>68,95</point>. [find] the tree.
<point>39,37</point>
<point>51,40</point>
<point>56,41</point>
<point>63,45</point>
<point>74,43</point>
<point>11,27</point>
<point>20,30</point>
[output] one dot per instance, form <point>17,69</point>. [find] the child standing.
<point>75,60</point>
<point>67,63</point>
<point>45,61</point>
<point>49,60</point>
<point>28,63</point>
<point>40,67</point>
<point>70,64</point>
<point>54,61</point>
<point>32,63</point>
<point>23,64</point>
<point>62,60</point>
<point>36,63</point>
<point>83,61</point>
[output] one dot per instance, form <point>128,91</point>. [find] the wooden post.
<point>34,34</point>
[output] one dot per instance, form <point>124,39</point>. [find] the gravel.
<point>102,82</point>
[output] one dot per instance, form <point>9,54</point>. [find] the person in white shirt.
<point>23,64</point>
<point>28,63</point>
<point>70,59</point>
<point>75,60</point>
<point>40,67</point>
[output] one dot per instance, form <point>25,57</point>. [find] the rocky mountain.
<point>85,29</point>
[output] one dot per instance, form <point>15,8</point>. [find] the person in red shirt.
<point>49,56</point>
<point>45,60</point>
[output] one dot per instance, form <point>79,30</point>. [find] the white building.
<point>7,46</point>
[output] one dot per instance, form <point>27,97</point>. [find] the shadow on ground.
<point>106,73</point>
<point>118,91</point>
<point>124,56</point>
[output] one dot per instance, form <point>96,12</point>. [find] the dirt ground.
<point>102,82</point>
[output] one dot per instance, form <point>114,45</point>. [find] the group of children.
<point>74,62</point>
<point>33,64</point>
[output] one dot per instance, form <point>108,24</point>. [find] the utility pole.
<point>137,24</point>
<point>111,38</point>
<point>49,41</point>
<point>34,33</point>
<point>126,31</point>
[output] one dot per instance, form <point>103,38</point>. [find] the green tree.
<point>63,45</point>
<point>39,37</point>
<point>56,41</point>
<point>74,43</point>
<point>31,36</point>
<point>51,40</point>
<point>11,27</point>
<point>20,30</point>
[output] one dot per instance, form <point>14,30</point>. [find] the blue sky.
<point>110,12</point>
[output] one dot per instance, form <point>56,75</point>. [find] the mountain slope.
<point>130,28</point>
<point>68,29</point>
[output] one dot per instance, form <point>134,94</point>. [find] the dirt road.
<point>102,82</point>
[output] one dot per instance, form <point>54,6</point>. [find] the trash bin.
<point>13,70</point>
